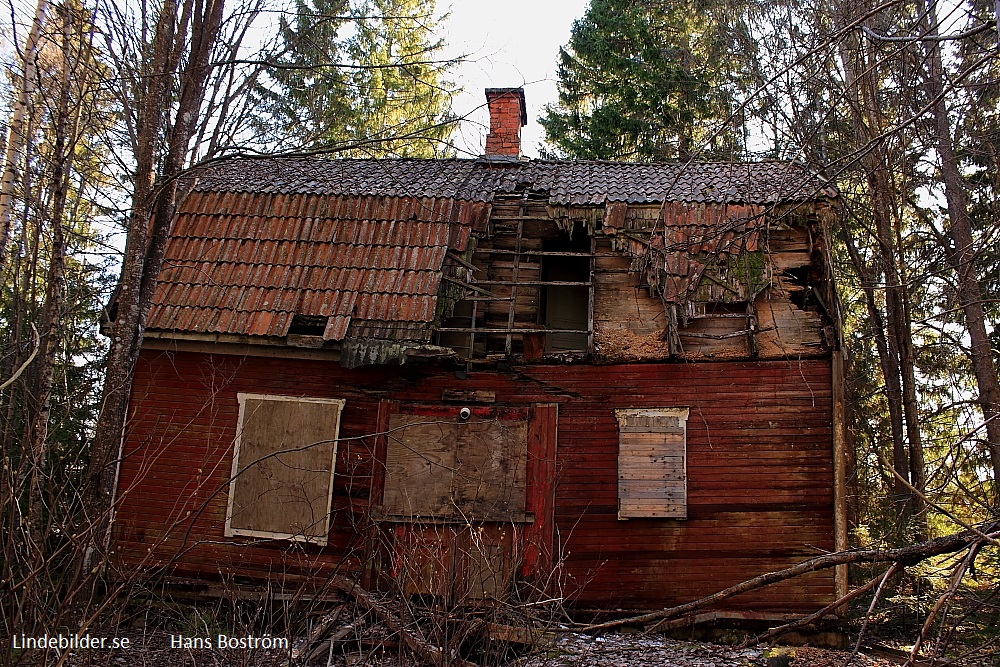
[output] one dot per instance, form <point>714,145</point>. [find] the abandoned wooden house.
<point>473,378</point>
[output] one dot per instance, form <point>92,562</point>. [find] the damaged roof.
<point>566,183</point>
<point>360,245</point>
<point>241,263</point>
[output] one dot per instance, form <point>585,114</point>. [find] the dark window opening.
<point>726,309</point>
<point>566,307</point>
<point>799,275</point>
<point>530,295</point>
<point>461,318</point>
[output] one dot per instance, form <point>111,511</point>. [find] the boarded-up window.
<point>440,466</point>
<point>283,467</point>
<point>652,472</point>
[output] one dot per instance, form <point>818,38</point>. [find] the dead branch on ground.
<point>806,620</point>
<point>431,654</point>
<point>871,607</point>
<point>905,556</point>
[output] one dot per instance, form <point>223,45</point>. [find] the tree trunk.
<point>890,376</point>
<point>907,364</point>
<point>193,83</point>
<point>962,256</point>
<point>125,328</point>
<point>17,135</point>
<point>893,334</point>
<point>39,397</point>
<point>152,213</point>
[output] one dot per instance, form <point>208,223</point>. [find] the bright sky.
<point>508,44</point>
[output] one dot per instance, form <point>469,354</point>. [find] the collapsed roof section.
<point>359,253</point>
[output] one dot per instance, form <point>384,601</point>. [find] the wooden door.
<point>463,504</point>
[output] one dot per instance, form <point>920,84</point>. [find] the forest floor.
<point>345,635</point>
<point>153,649</point>
<point>637,650</point>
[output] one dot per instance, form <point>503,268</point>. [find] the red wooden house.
<point>465,377</point>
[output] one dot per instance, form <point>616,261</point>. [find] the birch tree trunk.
<point>17,136</point>
<point>39,397</point>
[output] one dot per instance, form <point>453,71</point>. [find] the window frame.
<point>237,473</point>
<point>622,416</point>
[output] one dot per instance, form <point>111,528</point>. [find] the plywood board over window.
<point>440,466</point>
<point>652,468</point>
<point>283,465</point>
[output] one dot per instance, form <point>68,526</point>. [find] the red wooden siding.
<point>759,466</point>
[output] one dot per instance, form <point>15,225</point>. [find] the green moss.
<point>732,278</point>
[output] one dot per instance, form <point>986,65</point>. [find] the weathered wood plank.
<point>755,428</point>
<point>283,467</point>
<point>419,466</point>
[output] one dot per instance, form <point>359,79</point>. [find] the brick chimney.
<point>508,115</point>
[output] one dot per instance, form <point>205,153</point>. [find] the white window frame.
<point>236,470</point>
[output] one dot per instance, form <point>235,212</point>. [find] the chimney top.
<point>508,114</point>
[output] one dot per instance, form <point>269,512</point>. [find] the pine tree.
<point>647,81</point>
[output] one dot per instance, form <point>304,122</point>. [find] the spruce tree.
<point>363,78</point>
<point>401,98</point>
<point>648,81</point>
<point>308,97</point>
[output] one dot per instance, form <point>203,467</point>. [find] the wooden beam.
<point>469,395</point>
<point>839,475</point>
<point>470,286</point>
<point>539,548</point>
<point>545,253</point>
<point>459,260</point>
<point>513,218</point>
<point>508,345</point>
<point>590,295</point>
<point>240,349</point>
<point>533,282</point>
<point>502,330</point>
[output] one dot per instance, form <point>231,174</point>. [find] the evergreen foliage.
<point>362,79</point>
<point>649,81</point>
<point>310,97</point>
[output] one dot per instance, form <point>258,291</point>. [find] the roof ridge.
<point>566,182</point>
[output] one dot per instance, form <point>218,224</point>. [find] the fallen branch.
<point>905,556</point>
<point>27,362</point>
<point>429,653</point>
<point>956,580</point>
<point>871,607</point>
<point>308,647</point>
<point>326,646</point>
<point>782,629</point>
